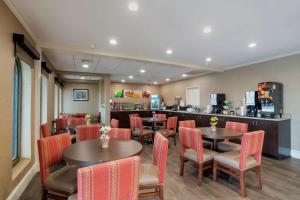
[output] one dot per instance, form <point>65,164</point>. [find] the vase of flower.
<point>88,119</point>
<point>213,123</point>
<point>104,138</point>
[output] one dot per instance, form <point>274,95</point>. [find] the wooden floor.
<point>280,179</point>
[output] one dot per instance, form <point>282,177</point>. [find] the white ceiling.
<point>79,77</point>
<point>161,24</point>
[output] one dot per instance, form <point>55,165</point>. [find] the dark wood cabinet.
<point>123,116</point>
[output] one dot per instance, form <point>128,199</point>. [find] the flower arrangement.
<point>88,118</point>
<point>104,136</point>
<point>213,122</point>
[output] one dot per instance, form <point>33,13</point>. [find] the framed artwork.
<point>119,93</point>
<point>80,94</point>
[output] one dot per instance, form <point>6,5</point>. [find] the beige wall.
<point>234,83</point>
<point>70,106</point>
<point>129,86</point>
<point>9,25</point>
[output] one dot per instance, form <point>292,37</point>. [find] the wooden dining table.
<point>219,134</point>
<point>153,121</point>
<point>90,152</point>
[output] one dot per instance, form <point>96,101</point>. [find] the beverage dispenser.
<point>252,103</point>
<point>216,102</point>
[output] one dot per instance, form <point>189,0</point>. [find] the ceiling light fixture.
<point>113,41</point>
<point>131,77</point>
<point>208,59</point>
<point>142,71</point>
<point>169,51</point>
<point>167,79</point>
<point>123,81</point>
<point>155,83</point>
<point>133,6</point>
<point>184,75</point>
<point>252,45</point>
<point>82,77</point>
<point>206,29</point>
<point>85,65</point>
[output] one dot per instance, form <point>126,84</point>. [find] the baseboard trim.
<point>20,188</point>
<point>295,154</point>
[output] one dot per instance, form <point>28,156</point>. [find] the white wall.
<point>70,106</point>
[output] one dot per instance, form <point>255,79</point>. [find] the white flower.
<point>104,132</point>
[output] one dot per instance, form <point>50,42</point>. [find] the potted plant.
<point>213,122</point>
<point>104,136</point>
<point>88,119</point>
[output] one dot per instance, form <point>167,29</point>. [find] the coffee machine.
<point>252,103</point>
<point>216,102</point>
<point>270,95</point>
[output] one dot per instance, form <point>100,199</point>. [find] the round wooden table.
<point>90,152</point>
<point>152,120</point>
<point>219,134</point>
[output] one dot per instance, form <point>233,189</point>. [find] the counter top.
<point>130,110</point>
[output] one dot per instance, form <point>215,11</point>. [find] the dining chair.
<point>153,174</point>
<point>61,183</point>
<point>80,115</point>
<point>130,116</point>
<point>120,133</point>
<point>226,145</point>
<point>191,149</point>
<point>45,130</point>
<point>61,125</point>
<point>171,128</point>
<point>237,163</point>
<point>76,121</point>
<point>139,131</point>
<point>159,125</point>
<point>192,124</point>
<point>87,132</point>
<point>115,180</point>
<point>114,123</point>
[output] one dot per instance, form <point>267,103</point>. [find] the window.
<point>56,99</point>
<point>21,145</point>
<point>193,96</point>
<point>60,100</point>
<point>44,99</point>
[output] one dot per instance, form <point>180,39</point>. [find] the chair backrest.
<point>172,123</point>
<point>120,133</point>
<point>114,180</point>
<point>61,125</point>
<point>45,130</point>
<point>160,116</point>
<point>114,123</point>
<point>187,124</point>
<point>130,121</point>
<point>76,121</point>
<point>237,126</point>
<point>160,154</point>
<point>50,151</point>
<point>80,115</point>
<point>87,132</point>
<point>137,123</point>
<point>191,138</point>
<point>252,144</point>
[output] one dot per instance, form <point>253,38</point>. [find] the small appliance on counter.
<point>270,95</point>
<point>155,102</point>
<point>252,103</point>
<point>216,101</point>
<point>177,103</point>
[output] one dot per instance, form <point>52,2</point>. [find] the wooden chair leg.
<point>258,178</point>
<point>141,139</point>
<point>242,184</point>
<point>215,171</point>
<point>174,137</point>
<point>200,174</point>
<point>181,166</point>
<point>161,192</point>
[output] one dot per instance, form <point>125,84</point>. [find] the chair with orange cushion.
<point>130,116</point>
<point>191,149</point>
<point>160,125</point>
<point>115,180</point>
<point>62,182</point>
<point>61,125</point>
<point>230,146</point>
<point>192,124</point>
<point>45,130</point>
<point>80,115</point>
<point>76,121</point>
<point>120,133</point>
<point>138,130</point>
<point>87,132</point>
<point>237,163</point>
<point>171,128</point>
<point>153,174</point>
<point>114,123</point>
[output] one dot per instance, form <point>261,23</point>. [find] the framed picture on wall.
<point>80,94</point>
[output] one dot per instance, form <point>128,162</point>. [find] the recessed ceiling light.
<point>207,29</point>
<point>123,81</point>
<point>155,83</point>
<point>142,71</point>
<point>131,77</point>
<point>85,65</point>
<point>113,41</point>
<point>184,75</point>
<point>252,45</point>
<point>169,51</point>
<point>82,77</point>
<point>167,79</point>
<point>208,59</point>
<point>133,6</point>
